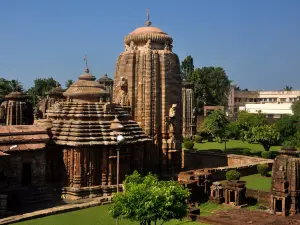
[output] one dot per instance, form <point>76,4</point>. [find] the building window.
<point>283,99</point>
<point>26,174</point>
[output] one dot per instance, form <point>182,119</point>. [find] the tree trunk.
<point>266,146</point>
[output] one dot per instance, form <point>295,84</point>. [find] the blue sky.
<point>257,42</point>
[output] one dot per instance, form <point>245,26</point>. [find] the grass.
<point>209,208</point>
<point>91,216</point>
<point>257,182</point>
<point>232,146</point>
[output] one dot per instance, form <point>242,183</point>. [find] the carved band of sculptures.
<point>171,120</point>
<point>130,47</point>
<point>123,92</point>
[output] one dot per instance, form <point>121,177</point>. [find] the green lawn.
<point>209,208</point>
<point>232,146</point>
<point>91,216</point>
<point>257,182</point>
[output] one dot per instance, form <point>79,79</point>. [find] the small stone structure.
<point>16,110</point>
<point>52,96</point>
<point>108,85</point>
<point>216,193</point>
<point>235,193</point>
<point>285,190</point>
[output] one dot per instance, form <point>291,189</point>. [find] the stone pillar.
<point>77,168</point>
<point>3,205</point>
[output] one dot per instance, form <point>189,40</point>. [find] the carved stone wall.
<point>189,115</point>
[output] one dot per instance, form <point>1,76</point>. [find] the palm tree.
<point>288,88</point>
<point>16,86</point>
<point>69,83</point>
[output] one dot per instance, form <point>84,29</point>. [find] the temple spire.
<point>86,64</point>
<point>148,22</point>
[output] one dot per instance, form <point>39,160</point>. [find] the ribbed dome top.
<point>56,91</point>
<point>86,87</point>
<point>16,95</point>
<point>143,30</point>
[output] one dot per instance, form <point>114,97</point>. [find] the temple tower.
<point>107,84</point>
<point>147,79</point>
<point>16,110</point>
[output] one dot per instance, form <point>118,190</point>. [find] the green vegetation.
<point>263,169</point>
<point>233,175</point>
<point>91,216</point>
<point>148,200</point>
<point>233,146</point>
<point>198,139</point>
<point>209,208</point>
<point>188,144</point>
<point>257,182</point>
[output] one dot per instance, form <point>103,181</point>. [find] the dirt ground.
<point>243,216</point>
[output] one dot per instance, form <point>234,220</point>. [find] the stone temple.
<point>148,82</point>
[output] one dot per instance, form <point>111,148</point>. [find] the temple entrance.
<point>231,197</point>
<point>26,174</point>
<point>278,205</point>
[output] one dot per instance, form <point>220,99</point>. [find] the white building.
<point>274,102</point>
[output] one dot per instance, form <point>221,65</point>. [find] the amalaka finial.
<point>57,84</point>
<point>86,65</point>
<point>148,22</point>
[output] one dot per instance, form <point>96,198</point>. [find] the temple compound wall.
<point>147,79</point>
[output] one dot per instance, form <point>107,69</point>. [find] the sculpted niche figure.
<point>148,45</point>
<point>123,96</point>
<point>172,118</point>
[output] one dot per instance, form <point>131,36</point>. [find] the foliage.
<point>266,155</point>
<point>233,130</point>
<point>246,152</point>
<point>286,126</point>
<point>188,144</point>
<point>8,86</point>
<point>184,139</point>
<point>69,83</point>
<point>233,175</point>
<point>263,169</point>
<point>41,86</point>
<point>266,135</point>
<point>216,124</point>
<point>211,86</point>
<point>246,120</point>
<point>198,139</point>
<point>288,88</point>
<point>293,141</point>
<point>146,200</point>
<point>296,109</point>
<point>187,68</point>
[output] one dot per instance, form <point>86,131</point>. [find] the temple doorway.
<point>26,174</point>
<point>278,205</point>
<point>231,197</point>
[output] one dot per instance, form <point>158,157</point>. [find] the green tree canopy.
<point>187,68</point>
<point>216,124</point>
<point>296,109</point>
<point>41,86</point>
<point>248,120</point>
<point>287,126</point>
<point>266,135</point>
<point>211,86</point>
<point>288,88</point>
<point>69,83</point>
<point>146,200</point>
<point>7,86</point>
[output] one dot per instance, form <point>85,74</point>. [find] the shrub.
<point>246,151</point>
<point>233,131</point>
<point>198,139</point>
<point>266,155</point>
<point>263,169</point>
<point>184,139</point>
<point>233,175</point>
<point>188,145</point>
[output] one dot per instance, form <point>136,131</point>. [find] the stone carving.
<point>3,111</point>
<point>194,115</point>
<point>57,106</point>
<point>148,45</point>
<point>168,47</point>
<point>123,96</point>
<point>127,47</point>
<point>172,118</point>
<point>36,112</point>
<point>132,46</point>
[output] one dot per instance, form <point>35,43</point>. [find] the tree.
<point>287,127</point>
<point>288,88</point>
<point>146,200</point>
<point>211,86</point>
<point>266,135</point>
<point>41,86</point>
<point>187,67</point>
<point>216,124</point>
<point>296,109</point>
<point>246,120</point>
<point>69,83</point>
<point>8,86</point>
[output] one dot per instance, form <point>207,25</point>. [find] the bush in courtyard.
<point>184,139</point>
<point>198,139</point>
<point>188,144</point>
<point>263,169</point>
<point>233,131</point>
<point>246,151</point>
<point>266,155</point>
<point>233,175</point>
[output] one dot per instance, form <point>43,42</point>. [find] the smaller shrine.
<point>285,190</point>
<point>216,193</point>
<point>235,193</point>
<point>107,84</point>
<point>16,110</point>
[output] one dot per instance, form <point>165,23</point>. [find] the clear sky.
<point>257,42</point>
